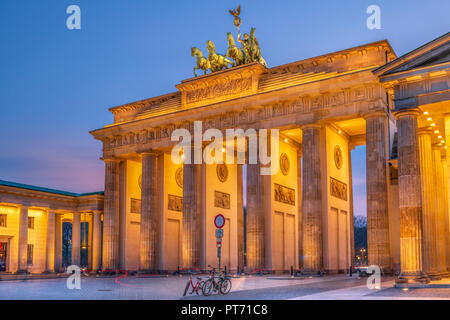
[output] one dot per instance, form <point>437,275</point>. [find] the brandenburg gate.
<point>158,214</point>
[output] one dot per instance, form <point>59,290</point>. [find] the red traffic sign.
<point>219,221</point>
<point>219,244</point>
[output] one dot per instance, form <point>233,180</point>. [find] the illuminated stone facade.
<point>158,215</point>
<point>31,230</point>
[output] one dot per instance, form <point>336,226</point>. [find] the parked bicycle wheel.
<point>199,288</point>
<point>187,288</point>
<point>208,287</point>
<point>225,286</point>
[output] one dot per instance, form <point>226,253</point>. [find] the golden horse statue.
<point>254,51</point>
<point>218,62</point>
<point>233,52</point>
<point>202,62</point>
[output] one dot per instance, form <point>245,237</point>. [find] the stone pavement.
<point>248,287</point>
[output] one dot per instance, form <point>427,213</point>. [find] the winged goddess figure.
<point>235,14</point>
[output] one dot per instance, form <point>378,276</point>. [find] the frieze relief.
<point>135,206</point>
<point>320,105</point>
<point>219,90</point>
<point>175,203</point>
<point>221,200</point>
<point>338,189</point>
<point>284,194</point>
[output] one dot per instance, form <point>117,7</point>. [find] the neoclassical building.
<point>31,235</point>
<point>158,214</point>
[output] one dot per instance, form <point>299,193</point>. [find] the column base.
<point>48,272</point>
<point>404,278</point>
<point>22,272</point>
<point>147,272</point>
<point>313,272</point>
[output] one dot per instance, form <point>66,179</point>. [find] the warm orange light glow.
<point>426,112</point>
<point>436,131</point>
<point>429,119</point>
<point>433,124</point>
<point>285,140</point>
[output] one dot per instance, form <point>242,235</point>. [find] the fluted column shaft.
<point>312,200</point>
<point>428,203</point>
<point>149,212</point>
<point>255,218</point>
<point>446,211</point>
<point>440,213</point>
<point>410,203</point>
<point>111,216</point>
<point>76,236</point>
<point>299,209</point>
<point>191,236</point>
<point>23,240</point>
<point>378,248</point>
<point>50,246</point>
<point>96,241</point>
<point>240,215</point>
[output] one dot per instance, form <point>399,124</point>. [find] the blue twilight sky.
<point>56,84</point>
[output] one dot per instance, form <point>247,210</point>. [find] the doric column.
<point>312,200</point>
<point>440,215</point>
<point>23,240</point>
<point>446,211</point>
<point>409,196</point>
<point>299,209</point>
<point>76,234</point>
<point>192,209</point>
<point>378,247</point>
<point>255,218</point>
<point>350,192</point>
<point>58,242</point>
<point>50,248</point>
<point>428,203</point>
<point>111,216</point>
<point>150,211</point>
<point>96,241</point>
<point>240,215</point>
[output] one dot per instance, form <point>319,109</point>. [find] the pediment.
<point>431,54</point>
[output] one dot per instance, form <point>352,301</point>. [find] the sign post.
<point>219,222</point>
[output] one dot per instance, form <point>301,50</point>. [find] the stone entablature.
<point>255,79</point>
<point>90,202</point>
<point>419,77</point>
<point>225,85</point>
<point>339,102</point>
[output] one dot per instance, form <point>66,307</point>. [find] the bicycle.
<point>195,288</point>
<point>222,285</point>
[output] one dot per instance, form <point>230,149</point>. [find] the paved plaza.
<point>249,287</point>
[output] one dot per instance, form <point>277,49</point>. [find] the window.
<point>30,249</point>
<point>30,222</point>
<point>3,220</point>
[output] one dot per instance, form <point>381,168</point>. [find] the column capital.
<point>374,113</point>
<point>407,112</point>
<point>111,160</point>
<point>151,152</point>
<point>437,146</point>
<point>315,125</point>
<point>425,131</point>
